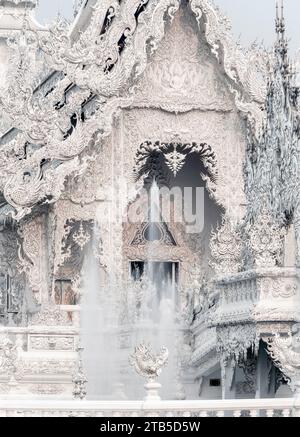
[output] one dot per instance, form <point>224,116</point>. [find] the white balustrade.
<point>215,408</point>
<point>253,413</point>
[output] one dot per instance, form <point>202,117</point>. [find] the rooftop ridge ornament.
<point>280,21</point>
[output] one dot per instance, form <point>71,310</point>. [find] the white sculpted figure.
<point>147,364</point>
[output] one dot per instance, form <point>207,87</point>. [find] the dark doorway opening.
<point>158,272</point>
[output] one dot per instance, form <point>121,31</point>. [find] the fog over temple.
<point>149,213</point>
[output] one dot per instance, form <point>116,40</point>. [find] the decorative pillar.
<point>228,368</point>
<point>33,257</point>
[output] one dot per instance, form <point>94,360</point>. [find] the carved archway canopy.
<point>175,155</point>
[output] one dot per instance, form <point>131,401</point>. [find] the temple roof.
<point>104,68</point>
<point>12,14</point>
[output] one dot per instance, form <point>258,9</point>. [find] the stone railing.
<point>214,408</point>
<point>238,296</point>
<point>269,294</point>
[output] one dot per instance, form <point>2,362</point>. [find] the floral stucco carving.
<point>226,248</point>
<point>266,241</point>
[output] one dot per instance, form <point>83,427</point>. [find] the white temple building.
<point>149,193</point>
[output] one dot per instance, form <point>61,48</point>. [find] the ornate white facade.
<point>91,113</point>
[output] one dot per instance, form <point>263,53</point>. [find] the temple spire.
<point>281,45</point>
<point>76,6</point>
<point>275,157</point>
<point>280,20</point>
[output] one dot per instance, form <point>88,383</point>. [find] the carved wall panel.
<point>44,342</point>
<point>65,210</point>
<point>12,281</point>
<point>50,315</point>
<point>8,354</point>
<point>226,248</point>
<point>88,187</point>
<point>42,367</point>
<point>279,297</point>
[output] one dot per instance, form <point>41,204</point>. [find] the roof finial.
<point>282,17</point>
<point>277,10</point>
<point>280,21</point>
<point>282,10</point>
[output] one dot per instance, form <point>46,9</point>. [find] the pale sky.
<point>251,19</point>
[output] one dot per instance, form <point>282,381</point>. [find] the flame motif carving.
<point>81,237</point>
<point>175,160</point>
<point>266,241</point>
<point>226,248</point>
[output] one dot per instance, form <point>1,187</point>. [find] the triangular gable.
<point>160,231</point>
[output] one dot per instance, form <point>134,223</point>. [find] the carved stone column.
<point>33,257</point>
<point>228,368</point>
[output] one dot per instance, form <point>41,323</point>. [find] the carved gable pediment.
<point>149,232</point>
<point>182,74</point>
